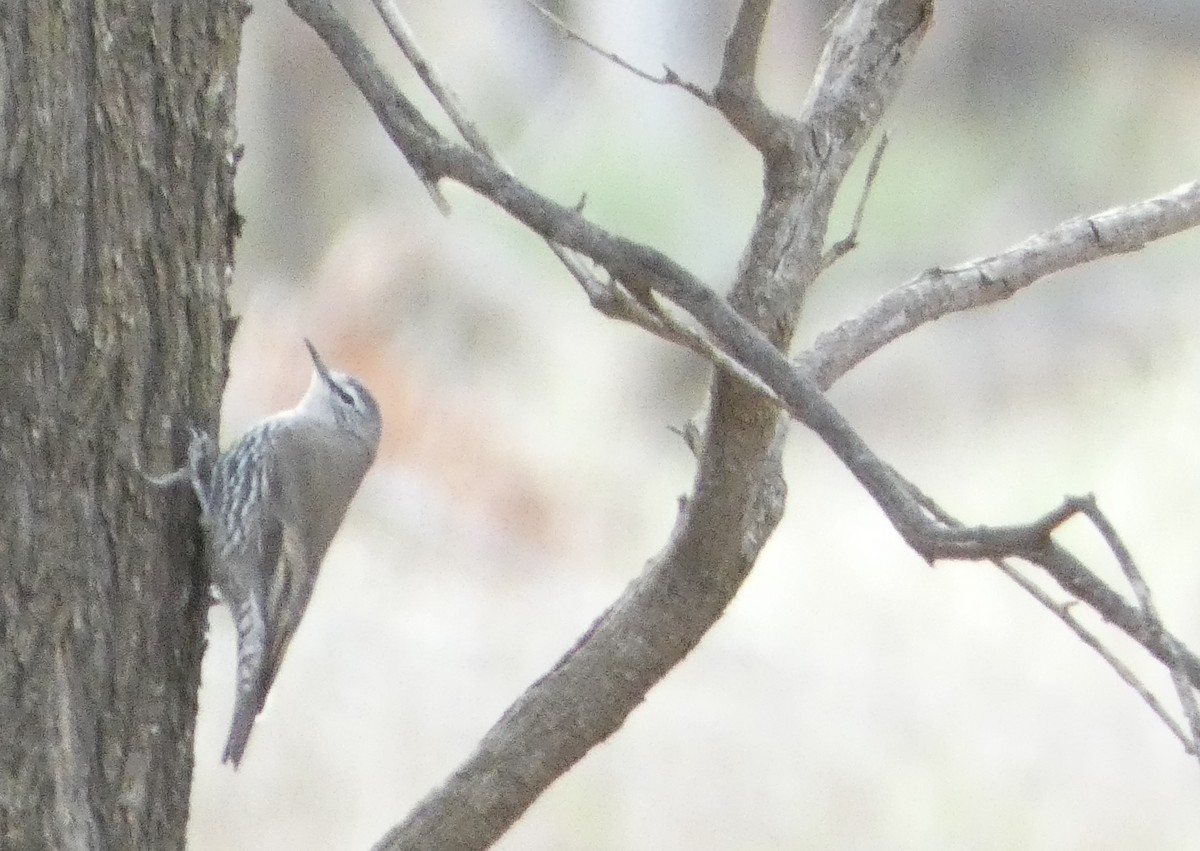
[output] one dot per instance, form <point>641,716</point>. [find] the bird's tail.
<point>250,692</point>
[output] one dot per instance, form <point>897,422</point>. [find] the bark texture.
<point>116,231</point>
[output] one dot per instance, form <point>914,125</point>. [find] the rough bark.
<point>116,170</point>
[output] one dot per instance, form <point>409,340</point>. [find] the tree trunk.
<point>116,236</point>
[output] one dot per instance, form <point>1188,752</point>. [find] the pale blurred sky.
<point>852,698</point>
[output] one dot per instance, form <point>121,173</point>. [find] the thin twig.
<point>403,35</point>
<point>1088,506</point>
<point>1081,583</point>
<point>1063,611</point>
<point>611,300</point>
<point>850,241</point>
<point>606,297</point>
<point>667,78</point>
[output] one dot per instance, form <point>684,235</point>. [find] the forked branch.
<point>738,494</point>
<point>641,266</point>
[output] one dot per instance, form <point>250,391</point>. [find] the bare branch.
<point>851,68</point>
<point>1081,583</point>
<point>611,300</point>
<point>668,77</point>
<point>940,292</point>
<point>741,48</point>
<point>736,94</point>
<point>850,241</point>
<point>686,588</point>
<point>871,45</point>
<point>682,592</point>
<point>403,35</point>
<point>1064,612</point>
<point>640,268</point>
<point>1187,698</point>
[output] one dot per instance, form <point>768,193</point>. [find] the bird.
<point>270,505</point>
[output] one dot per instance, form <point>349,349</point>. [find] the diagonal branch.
<point>940,292</point>
<point>738,493</point>
<point>1178,655</point>
<point>406,40</point>
<point>642,267</point>
<point>736,337</point>
<point>1074,577</point>
<point>608,297</point>
<point>1065,613</point>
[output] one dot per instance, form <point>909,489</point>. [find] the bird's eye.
<point>345,396</point>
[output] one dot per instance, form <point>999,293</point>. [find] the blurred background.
<point>852,697</point>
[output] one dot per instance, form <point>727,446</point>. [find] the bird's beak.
<point>322,370</point>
